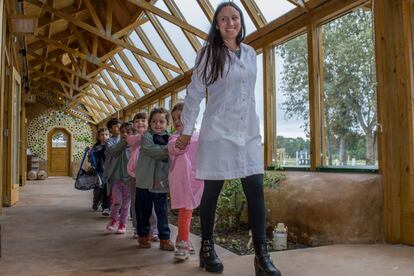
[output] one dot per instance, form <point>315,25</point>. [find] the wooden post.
<point>394,50</point>
<point>269,104</point>
<point>314,97</point>
<point>2,78</point>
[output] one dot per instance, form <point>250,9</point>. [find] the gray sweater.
<point>151,172</point>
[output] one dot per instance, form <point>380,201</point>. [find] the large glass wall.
<point>348,92</point>
<point>292,103</point>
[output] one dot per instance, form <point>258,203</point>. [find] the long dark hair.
<point>215,51</point>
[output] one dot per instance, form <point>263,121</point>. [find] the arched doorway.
<point>59,145</point>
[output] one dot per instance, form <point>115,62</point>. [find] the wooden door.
<point>59,142</point>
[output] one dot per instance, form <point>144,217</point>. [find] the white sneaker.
<point>181,252</point>
<point>106,212</point>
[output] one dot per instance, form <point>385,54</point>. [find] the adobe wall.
<point>325,208</point>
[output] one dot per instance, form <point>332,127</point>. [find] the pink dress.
<point>133,141</point>
<point>185,189</point>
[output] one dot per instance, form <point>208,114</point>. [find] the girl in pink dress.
<point>185,190</point>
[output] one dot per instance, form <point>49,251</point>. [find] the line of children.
<point>141,167</point>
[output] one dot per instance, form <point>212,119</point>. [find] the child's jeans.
<point>100,195</point>
<point>144,202</point>
<point>121,202</point>
<point>153,218</point>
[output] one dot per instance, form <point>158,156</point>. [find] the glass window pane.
<point>349,94</point>
<point>157,43</point>
<point>123,100</point>
<point>138,89</point>
<point>161,5</point>
<point>193,14</point>
<point>258,93</point>
<point>292,103</point>
<point>156,71</point>
<point>59,140</point>
<point>136,41</point>
<point>108,78</point>
<point>267,7</point>
<point>181,94</point>
<point>136,65</point>
<point>126,88</point>
<point>167,103</point>
<point>122,64</point>
<point>180,41</point>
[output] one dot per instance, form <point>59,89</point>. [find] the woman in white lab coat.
<point>230,142</point>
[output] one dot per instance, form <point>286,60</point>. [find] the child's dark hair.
<point>178,107</point>
<point>140,115</point>
<point>128,126</point>
<point>112,122</point>
<point>160,110</point>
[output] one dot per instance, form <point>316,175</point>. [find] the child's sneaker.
<point>135,234</point>
<point>111,226</point>
<point>154,238</point>
<point>190,247</point>
<point>106,212</point>
<point>166,245</point>
<point>181,252</point>
<point>121,229</point>
<point>144,242</point>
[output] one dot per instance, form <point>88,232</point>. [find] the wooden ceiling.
<point>77,39</point>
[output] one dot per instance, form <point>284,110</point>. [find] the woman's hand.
<point>182,141</point>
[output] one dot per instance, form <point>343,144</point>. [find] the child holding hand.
<point>152,181</point>
<point>185,189</point>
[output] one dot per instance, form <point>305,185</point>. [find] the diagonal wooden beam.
<point>137,20</point>
<point>94,15</point>
<point>102,105</point>
<point>195,43</point>
<point>103,35</point>
<point>174,20</point>
<point>132,69</point>
<point>113,104</point>
<point>69,112</point>
<point>97,117</point>
<point>46,21</point>
<point>207,9</point>
<point>109,15</point>
<point>85,103</point>
<point>254,12</point>
<point>75,73</point>
<point>299,3</point>
<point>92,59</point>
<point>147,43</point>
<point>111,97</point>
<point>54,79</point>
<point>167,41</point>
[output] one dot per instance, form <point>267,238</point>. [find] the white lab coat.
<point>229,141</point>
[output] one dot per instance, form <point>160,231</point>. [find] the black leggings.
<point>253,189</point>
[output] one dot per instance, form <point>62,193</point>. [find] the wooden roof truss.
<point>92,58</point>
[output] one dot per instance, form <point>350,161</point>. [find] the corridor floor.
<point>53,231</point>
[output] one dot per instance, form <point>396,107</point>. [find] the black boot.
<point>208,257</point>
<point>263,265</point>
